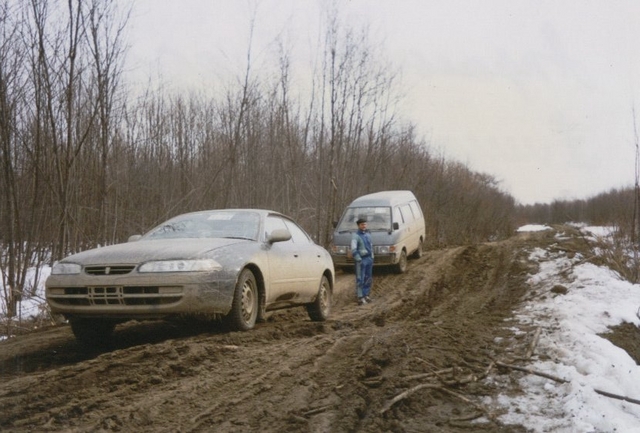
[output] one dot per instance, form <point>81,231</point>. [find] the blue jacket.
<point>361,245</point>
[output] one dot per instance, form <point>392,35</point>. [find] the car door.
<point>287,263</point>
<point>309,258</point>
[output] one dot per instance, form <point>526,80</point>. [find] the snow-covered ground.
<point>596,299</point>
<point>33,306</point>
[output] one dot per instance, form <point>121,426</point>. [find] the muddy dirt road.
<point>415,360</point>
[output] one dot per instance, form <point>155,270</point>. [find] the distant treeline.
<point>616,209</point>
<point>613,209</point>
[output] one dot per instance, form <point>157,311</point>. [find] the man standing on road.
<point>362,252</point>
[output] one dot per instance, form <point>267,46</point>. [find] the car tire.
<point>92,332</point>
<point>244,308</point>
<point>320,309</point>
<point>401,266</point>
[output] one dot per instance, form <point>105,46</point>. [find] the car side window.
<point>297,234</point>
<point>274,223</point>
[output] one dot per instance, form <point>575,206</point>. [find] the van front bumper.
<point>341,260</point>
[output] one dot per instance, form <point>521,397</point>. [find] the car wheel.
<point>418,253</point>
<point>244,309</point>
<point>320,309</point>
<point>92,332</point>
<point>401,266</point>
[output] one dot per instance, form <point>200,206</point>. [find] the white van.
<point>396,224</point>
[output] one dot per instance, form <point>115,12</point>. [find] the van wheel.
<point>418,253</point>
<point>401,266</point>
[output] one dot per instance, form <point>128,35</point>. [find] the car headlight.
<point>384,250</point>
<point>204,265</point>
<point>66,269</point>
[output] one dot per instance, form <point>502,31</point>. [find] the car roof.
<point>262,212</point>
<point>383,198</point>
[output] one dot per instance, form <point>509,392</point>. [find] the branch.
<point>617,397</point>
<point>534,343</point>
<point>532,371</point>
<point>317,410</point>
<point>406,394</point>
<point>466,400</point>
<point>434,373</point>
<point>560,380</point>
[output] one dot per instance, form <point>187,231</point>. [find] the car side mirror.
<point>335,224</point>
<point>279,235</point>
<point>396,226</point>
<point>134,238</point>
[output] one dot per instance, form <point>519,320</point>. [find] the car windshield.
<point>378,218</point>
<point>214,224</point>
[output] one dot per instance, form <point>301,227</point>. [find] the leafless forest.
<point>84,163</point>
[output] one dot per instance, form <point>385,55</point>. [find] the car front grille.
<point>109,270</point>
<point>118,295</point>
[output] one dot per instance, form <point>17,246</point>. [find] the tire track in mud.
<point>288,374</point>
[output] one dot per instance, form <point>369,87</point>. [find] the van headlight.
<point>340,249</point>
<point>385,249</point>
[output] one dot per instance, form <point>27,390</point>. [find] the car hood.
<point>145,250</point>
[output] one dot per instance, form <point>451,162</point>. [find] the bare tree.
<point>10,74</point>
<point>105,33</point>
<point>635,231</point>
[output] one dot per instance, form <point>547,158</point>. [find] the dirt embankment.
<point>412,361</point>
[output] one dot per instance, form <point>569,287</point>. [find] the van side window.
<point>417,212</point>
<point>406,213</point>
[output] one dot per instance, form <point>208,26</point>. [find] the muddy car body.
<point>234,263</point>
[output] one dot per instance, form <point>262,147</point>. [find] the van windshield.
<point>378,218</point>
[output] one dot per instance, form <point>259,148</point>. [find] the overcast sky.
<point>539,94</point>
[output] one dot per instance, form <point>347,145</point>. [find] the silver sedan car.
<point>237,264</point>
